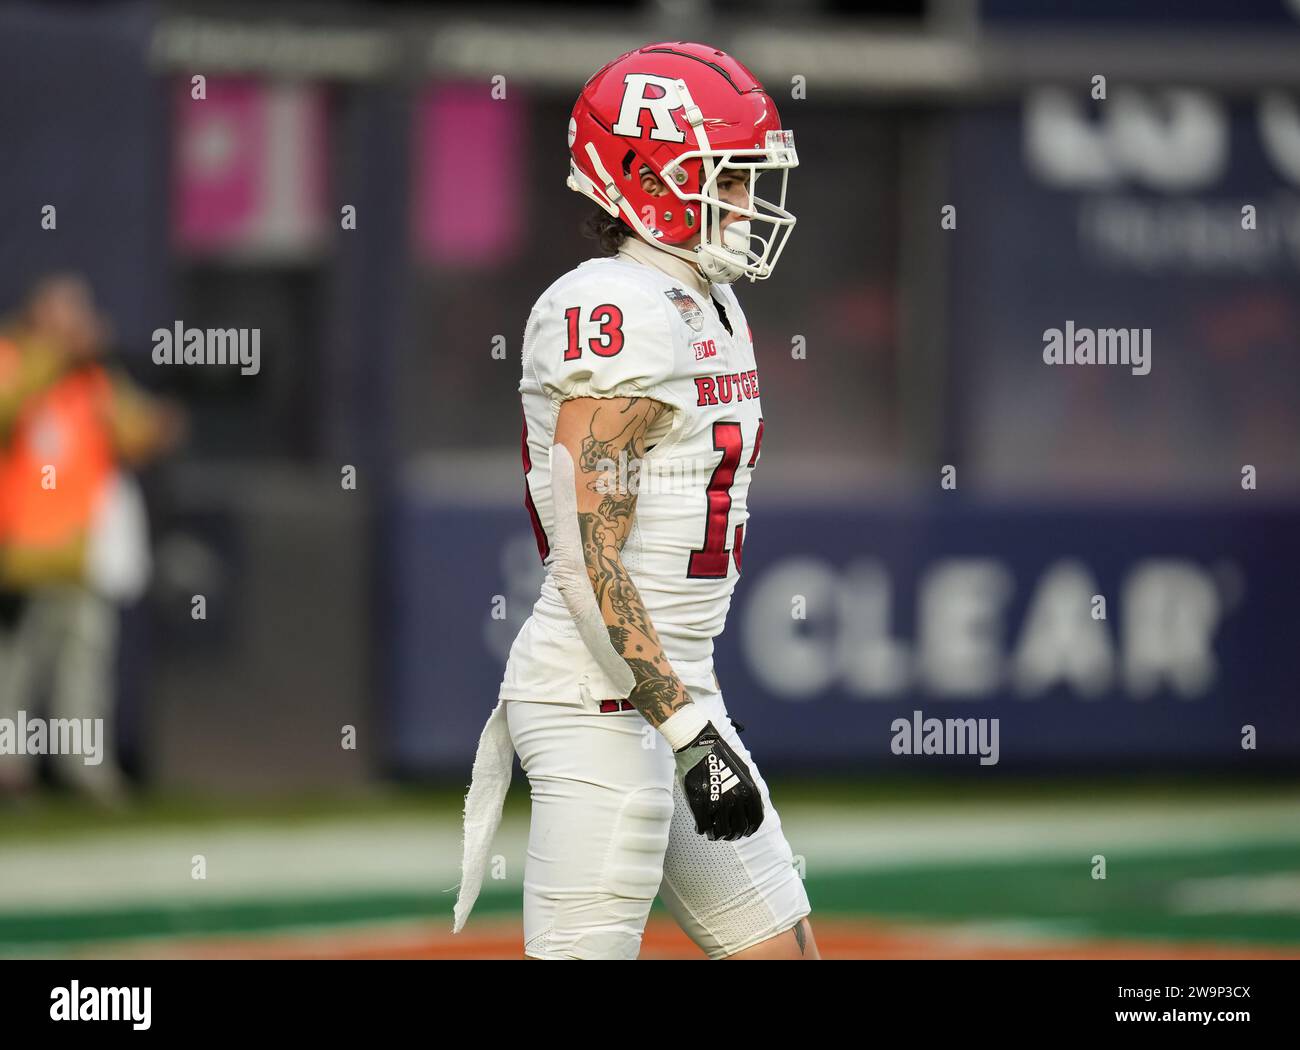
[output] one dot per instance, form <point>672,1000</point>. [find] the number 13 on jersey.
<point>710,561</point>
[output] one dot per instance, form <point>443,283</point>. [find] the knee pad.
<point>607,920</point>
<point>634,866</point>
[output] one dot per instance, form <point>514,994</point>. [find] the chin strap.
<point>719,264</point>
<point>717,270</point>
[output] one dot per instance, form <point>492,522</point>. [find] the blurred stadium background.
<point>374,608</point>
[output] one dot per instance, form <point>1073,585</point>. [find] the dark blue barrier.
<point>848,619</point>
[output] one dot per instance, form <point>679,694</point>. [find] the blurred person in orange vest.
<point>73,535</point>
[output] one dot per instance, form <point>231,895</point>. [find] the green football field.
<point>911,869</point>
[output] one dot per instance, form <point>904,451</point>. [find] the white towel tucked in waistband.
<point>487,795</point>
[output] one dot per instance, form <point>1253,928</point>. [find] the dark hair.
<point>609,231</point>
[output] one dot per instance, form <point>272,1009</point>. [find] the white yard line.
<point>1275,894</point>
<point>1019,831</point>
<point>104,870</point>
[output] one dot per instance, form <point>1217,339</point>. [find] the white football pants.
<point>611,828</point>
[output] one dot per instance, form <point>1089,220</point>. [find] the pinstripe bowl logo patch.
<point>687,307</point>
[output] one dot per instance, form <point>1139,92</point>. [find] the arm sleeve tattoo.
<point>599,433</point>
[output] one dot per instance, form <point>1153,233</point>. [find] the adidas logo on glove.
<point>720,778</point>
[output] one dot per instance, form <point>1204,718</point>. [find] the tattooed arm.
<point>596,432</point>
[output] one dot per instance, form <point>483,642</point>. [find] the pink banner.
<point>470,168</point>
<point>249,168</point>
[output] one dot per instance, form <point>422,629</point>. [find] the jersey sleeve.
<point>603,338</point>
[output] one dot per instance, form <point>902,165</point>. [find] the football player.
<point>642,428</point>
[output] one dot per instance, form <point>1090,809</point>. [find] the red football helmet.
<point>686,112</point>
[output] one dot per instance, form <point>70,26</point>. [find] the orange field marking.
<point>836,939</point>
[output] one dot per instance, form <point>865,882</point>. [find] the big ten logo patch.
<point>704,348</point>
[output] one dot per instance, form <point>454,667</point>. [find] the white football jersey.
<point>622,328</point>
